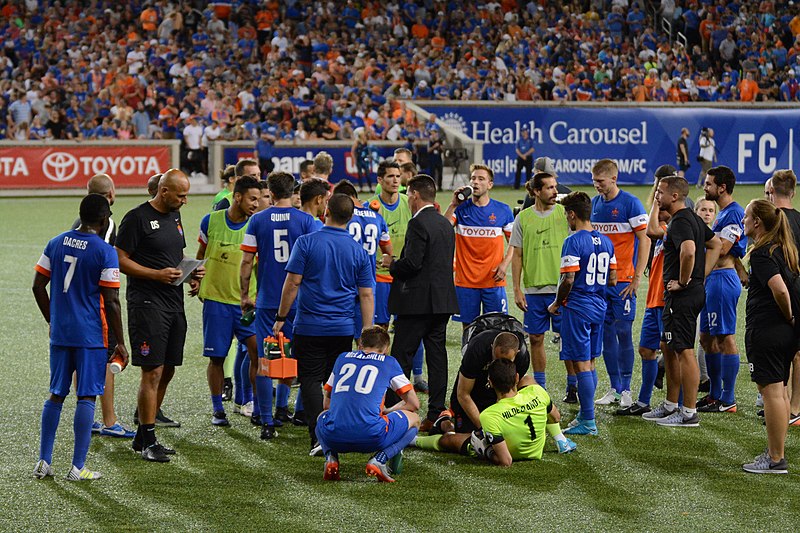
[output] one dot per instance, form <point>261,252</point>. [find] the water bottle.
<point>248,317</point>
<point>117,364</point>
<point>464,193</point>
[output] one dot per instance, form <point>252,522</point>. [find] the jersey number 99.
<point>597,269</point>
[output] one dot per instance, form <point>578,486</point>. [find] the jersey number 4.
<point>365,380</point>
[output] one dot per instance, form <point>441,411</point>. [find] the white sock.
<point>689,412</point>
<point>670,405</point>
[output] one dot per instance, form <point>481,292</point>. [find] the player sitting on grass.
<point>355,419</point>
<point>514,427</point>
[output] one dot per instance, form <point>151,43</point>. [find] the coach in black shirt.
<point>685,268</point>
<point>150,246</point>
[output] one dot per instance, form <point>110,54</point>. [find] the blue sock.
<point>594,378</point>
<point>586,390</point>
<point>730,370</point>
<point>649,372</point>
<point>321,441</point>
<point>680,397</point>
<point>51,414</point>
<point>611,355</point>
<point>540,379</point>
<point>572,381</point>
<point>82,426</point>
<point>714,367</point>
<point>247,385</point>
<point>298,402</point>
<point>393,449</point>
<point>216,403</point>
<point>264,393</point>
<point>282,399</point>
<point>626,355</point>
<point>239,379</point>
<point>419,359</point>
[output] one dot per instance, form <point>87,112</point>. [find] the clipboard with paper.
<point>187,266</point>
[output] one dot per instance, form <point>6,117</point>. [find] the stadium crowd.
<point>297,70</point>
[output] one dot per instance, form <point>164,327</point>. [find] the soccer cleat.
<point>444,417</point>
<point>659,413</point>
<point>331,469</point>
<point>794,420</point>
<point>760,413</point>
<point>763,464</point>
<point>255,420</point>
<point>164,421</point>
<point>379,471</point>
<point>636,409</point>
<point>710,406</point>
<point>244,410</point>
<point>117,430</point>
<point>582,427</point>
<point>705,400</point>
<point>155,453</point>
<point>610,397</point>
<point>316,450</point>
<point>268,432</point>
<point>759,401</point>
<point>572,395</point>
<point>727,408</point>
<point>566,446</point>
<point>282,415</point>
<point>219,418</point>
<point>82,474</point>
<point>43,469</point>
<point>556,338</point>
<point>299,418</point>
<point>137,447</point>
<point>679,420</point>
<point>421,386</point>
<point>96,428</point>
<point>227,390</point>
<point>625,399</point>
<point>396,463</point>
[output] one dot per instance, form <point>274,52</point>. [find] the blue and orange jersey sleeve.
<point>109,275</point>
<point>570,256</point>
<point>250,243</point>
<point>43,265</point>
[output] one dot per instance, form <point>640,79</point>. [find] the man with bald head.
<point>150,247</point>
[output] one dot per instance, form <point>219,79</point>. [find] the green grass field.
<point>634,476</point>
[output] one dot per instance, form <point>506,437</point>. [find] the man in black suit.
<point>423,295</point>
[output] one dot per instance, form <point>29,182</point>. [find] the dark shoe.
<point>268,432</point>
<point>421,386</point>
<point>705,386</point>
<point>137,447</point>
<point>572,395</point>
<point>220,419</point>
<point>164,421</point>
<point>711,406</point>
<point>155,453</point>
<point>705,400</point>
<point>136,417</point>
<point>255,420</point>
<point>633,410</point>
<point>299,418</point>
<point>282,414</point>
<point>227,390</point>
<point>659,382</point>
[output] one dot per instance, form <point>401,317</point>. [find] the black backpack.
<point>498,322</point>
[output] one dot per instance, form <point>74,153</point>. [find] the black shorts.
<point>770,350</point>
<point>681,309</point>
<point>462,422</point>
<point>157,337</point>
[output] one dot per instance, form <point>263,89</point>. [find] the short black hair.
<point>345,187</point>
<point>503,375</point>
<point>676,184</point>
<point>665,170</point>
<point>341,208</point>
<point>305,164</point>
<point>94,208</point>
<point>424,186</point>
<point>723,175</point>
<point>385,165</point>
<point>312,188</point>
<point>281,185</point>
<point>579,203</point>
<point>239,169</point>
<point>245,183</point>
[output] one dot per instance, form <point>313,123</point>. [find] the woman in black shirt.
<point>770,341</point>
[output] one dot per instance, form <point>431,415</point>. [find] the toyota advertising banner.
<point>753,142</point>
<point>61,166</point>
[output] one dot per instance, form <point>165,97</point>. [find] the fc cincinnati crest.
<point>455,121</point>
<point>492,218</point>
<point>614,212</point>
<point>144,349</point>
<point>180,228</point>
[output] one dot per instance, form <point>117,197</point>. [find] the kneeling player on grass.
<point>514,427</point>
<point>355,420</point>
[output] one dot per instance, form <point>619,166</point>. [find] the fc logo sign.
<point>60,166</point>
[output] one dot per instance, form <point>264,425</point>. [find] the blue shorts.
<point>723,288</point>
<point>537,319</point>
<point>581,340</point>
<point>351,441</point>
<point>652,327</point>
<point>265,320</point>
<point>220,324</point>
<point>617,307</point>
<point>470,300</point>
<point>382,315</point>
<point>88,363</point>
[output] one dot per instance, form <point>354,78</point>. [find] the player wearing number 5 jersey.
<point>588,267</point>
<point>355,419</point>
<point>621,217</point>
<point>271,234</point>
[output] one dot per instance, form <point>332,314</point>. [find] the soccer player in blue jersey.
<point>368,228</point>
<point>723,287</point>
<point>621,217</point>
<point>588,267</point>
<point>83,273</point>
<point>355,419</point>
<point>271,234</point>
<point>314,194</point>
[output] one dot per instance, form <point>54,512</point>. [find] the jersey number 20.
<point>365,380</point>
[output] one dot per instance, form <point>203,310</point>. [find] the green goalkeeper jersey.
<point>521,421</point>
<point>397,217</point>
